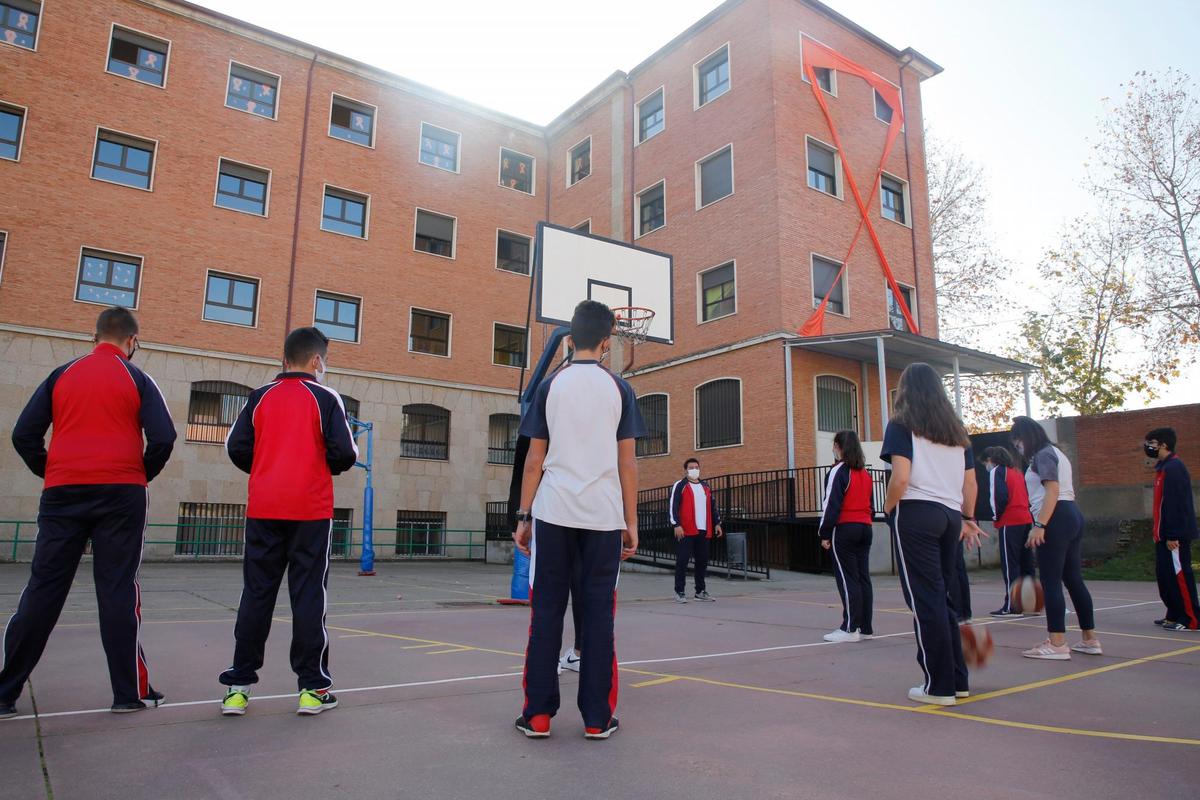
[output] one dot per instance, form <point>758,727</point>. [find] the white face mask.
<point>320,373</point>
<point>693,474</point>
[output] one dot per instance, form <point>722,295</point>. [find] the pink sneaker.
<point>1089,646</point>
<point>1049,651</point>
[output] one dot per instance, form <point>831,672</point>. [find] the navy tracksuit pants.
<point>961,586</point>
<point>851,548</point>
<point>555,552</point>
<point>1016,560</point>
<point>113,516</point>
<point>1177,589</point>
<point>1060,564</point>
<point>926,536</point>
<point>691,547</point>
<point>301,549</point>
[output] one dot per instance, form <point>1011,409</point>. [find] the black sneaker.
<point>152,698</point>
<point>602,733</point>
<point>705,597</point>
<point>1161,622</point>
<point>1002,613</point>
<point>8,710</point>
<point>536,728</point>
<point>1174,626</point>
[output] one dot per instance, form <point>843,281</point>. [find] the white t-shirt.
<point>937,469</point>
<point>1048,464</point>
<point>700,501</point>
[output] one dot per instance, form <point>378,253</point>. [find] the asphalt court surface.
<point>735,699</point>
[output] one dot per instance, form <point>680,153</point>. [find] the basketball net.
<point>631,329</point>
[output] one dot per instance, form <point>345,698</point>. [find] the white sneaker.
<point>1089,646</point>
<point>960,695</point>
<point>917,695</point>
<point>568,661</point>
<point>680,597</point>
<point>840,635</point>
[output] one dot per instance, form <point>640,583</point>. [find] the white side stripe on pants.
<point>912,599</point>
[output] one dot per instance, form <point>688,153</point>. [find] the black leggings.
<point>851,550</point>
<point>1060,565</point>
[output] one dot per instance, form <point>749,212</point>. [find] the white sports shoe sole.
<point>917,695</point>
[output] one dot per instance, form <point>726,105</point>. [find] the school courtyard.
<point>737,699</point>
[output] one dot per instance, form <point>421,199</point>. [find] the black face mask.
<point>1151,452</point>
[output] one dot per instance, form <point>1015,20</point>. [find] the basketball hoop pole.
<point>366,564</point>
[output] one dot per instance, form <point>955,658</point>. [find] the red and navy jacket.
<point>292,437</point>
<point>849,497</point>
<point>1174,506</point>
<point>683,508</point>
<point>99,405</point>
<point>1010,497</point>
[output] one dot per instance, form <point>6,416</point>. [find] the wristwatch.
<point>1037,524</point>
<point>524,516</point>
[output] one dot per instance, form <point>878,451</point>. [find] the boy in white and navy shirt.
<point>694,516</point>
<point>578,506</point>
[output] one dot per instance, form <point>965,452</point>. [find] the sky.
<point>1021,94</point>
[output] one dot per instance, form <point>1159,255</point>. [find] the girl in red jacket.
<point>1012,519</point>
<point>846,531</point>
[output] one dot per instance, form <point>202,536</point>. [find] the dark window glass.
<point>351,405</point>
<point>430,333</point>
<point>650,116</point>
<point>426,432</point>
<point>210,529</point>
<point>19,22</point>
<point>439,148</point>
<point>837,404</point>
<point>717,288</point>
<point>651,210</point>
<point>716,177</point>
<point>822,168</point>
<point>654,412</point>
<point>516,171</point>
<point>213,408</point>
<point>892,197</point>
<point>123,159</point>
<point>251,90</point>
<point>420,533</point>
<point>719,413</point>
<point>345,213</point>
<point>825,272</point>
<point>512,252</point>
<point>434,234</point>
<point>11,122</point>
<point>895,316</point>
<point>230,299</point>
<point>242,188</point>
<point>714,76</point>
<point>584,227</point>
<point>502,438</point>
<point>882,110</point>
<point>581,161</point>
<point>352,121</point>
<point>108,279</point>
<point>508,346</point>
<point>133,55</point>
<point>824,78</point>
<point>337,316</point>
<point>343,531</point>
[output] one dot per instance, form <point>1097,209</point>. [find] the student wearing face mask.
<point>694,513</point>
<point>95,476</point>
<point>292,437</point>
<point>1174,530</point>
<point>846,532</point>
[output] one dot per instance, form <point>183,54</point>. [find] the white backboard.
<point>571,266</point>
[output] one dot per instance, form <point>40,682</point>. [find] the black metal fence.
<point>496,527</point>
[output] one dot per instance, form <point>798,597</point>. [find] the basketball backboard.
<point>571,266</point>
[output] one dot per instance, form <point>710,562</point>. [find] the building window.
<point>420,533</point>
<point>579,162</point>
<point>502,438</point>
<point>719,413</point>
<point>344,212</point>
<point>232,299</point>
<point>822,168</point>
<point>252,91</point>
<point>837,404</point>
<point>350,405</point>
<point>896,319</point>
<point>434,234</point>
<point>714,176</point>
<point>712,77</point>
<point>654,412</point>
<point>883,112</point>
<point>718,295</point>
<point>891,198</point>
<point>213,408</point>
<point>651,208</point>
<point>210,529</point>
<point>352,121</point>
<point>342,531</point>
<point>123,159</point>
<point>108,278</point>
<point>429,332</point>
<point>242,188</point>
<point>337,316</point>
<point>439,147</point>
<point>12,125</point>
<point>19,22</point>
<point>825,79</point>
<point>137,56</point>
<point>584,227</point>
<point>426,432</point>
<point>516,170</point>
<point>651,116</point>
<point>825,273</point>
<point>3,245</point>
<point>508,345</point>
<point>512,252</point>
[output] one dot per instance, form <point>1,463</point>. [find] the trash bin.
<point>735,554</point>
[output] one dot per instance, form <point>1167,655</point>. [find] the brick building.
<point>230,183</point>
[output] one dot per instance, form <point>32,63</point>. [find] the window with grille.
<point>420,533</point>
<point>502,438</point>
<point>654,412</point>
<point>210,529</point>
<point>837,404</point>
<point>426,432</point>
<point>719,413</point>
<point>212,410</point>
<point>342,532</point>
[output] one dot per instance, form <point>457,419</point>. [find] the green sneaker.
<point>235,702</point>
<point>314,701</point>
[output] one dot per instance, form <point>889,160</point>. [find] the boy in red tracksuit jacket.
<point>1012,518</point>
<point>1174,531</point>
<point>846,532</point>
<point>695,516</point>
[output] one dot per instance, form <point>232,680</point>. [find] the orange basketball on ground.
<point>977,645</point>
<point>1027,596</point>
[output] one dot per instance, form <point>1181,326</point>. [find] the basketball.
<point>1027,597</point>
<point>977,645</point>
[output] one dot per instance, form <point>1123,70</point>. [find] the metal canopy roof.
<point>902,348</point>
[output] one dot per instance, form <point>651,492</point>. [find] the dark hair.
<point>116,323</point>
<point>923,407</point>
<point>591,324</point>
<point>695,461</point>
<point>1163,436</point>
<point>852,454</point>
<point>304,343</point>
<point>999,455</point>
<point>1031,435</point>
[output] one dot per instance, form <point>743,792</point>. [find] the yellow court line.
<point>455,645</point>
<point>415,646</point>
<point>655,682</point>
<point>355,635</point>
<point>451,650</point>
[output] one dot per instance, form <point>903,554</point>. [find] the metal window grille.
<point>213,408</point>
<point>210,529</point>
<point>654,412</point>
<point>426,432</point>
<point>837,404</point>
<point>420,533</point>
<point>719,413</point>
<point>502,438</point>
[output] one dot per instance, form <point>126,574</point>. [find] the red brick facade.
<point>1110,445</point>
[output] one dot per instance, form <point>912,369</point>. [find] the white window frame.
<point>25,124</point>
<point>449,332</point>
<point>497,323</point>
<point>700,320</point>
<point>334,96</point>
<point>278,88</point>
<point>37,33</point>
<point>637,209</point>
<point>570,168</point>
<point>582,222</point>
<point>223,273</point>
<point>913,308</point>
<point>741,412</point>
<point>696,104</point>
<point>637,116</point>
<point>108,50</point>
<point>496,259</point>
<point>669,437</point>
<point>366,212</point>
<point>4,251</point>
<point>457,148</point>
<point>500,171</point>
<point>833,73</point>
<point>906,199</point>
<point>137,292</point>
<point>96,148</point>
<point>266,200</point>
<point>900,92</point>
<point>838,178</point>
<point>453,240</point>
<point>336,296</point>
<point>845,279</point>
<point>699,182</point>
